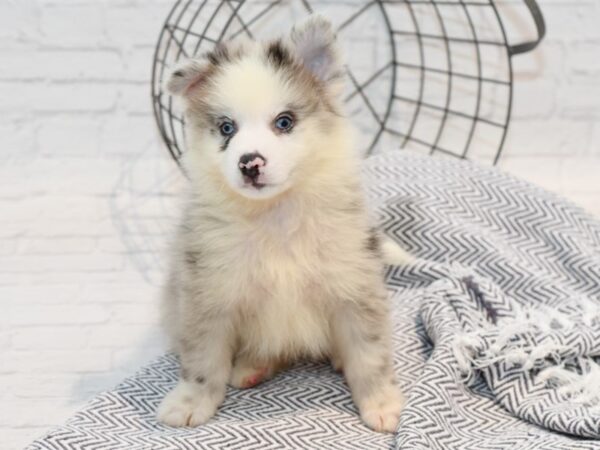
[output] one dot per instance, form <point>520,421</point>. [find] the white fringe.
<point>513,345</point>
<point>582,388</point>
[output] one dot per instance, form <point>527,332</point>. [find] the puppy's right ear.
<point>187,76</point>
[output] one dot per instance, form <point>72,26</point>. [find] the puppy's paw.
<point>381,411</point>
<point>245,376</point>
<point>186,405</point>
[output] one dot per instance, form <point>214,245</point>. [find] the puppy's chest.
<point>274,261</point>
<point>281,303</point>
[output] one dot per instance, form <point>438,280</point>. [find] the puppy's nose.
<point>250,164</point>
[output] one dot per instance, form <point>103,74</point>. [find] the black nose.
<point>250,164</point>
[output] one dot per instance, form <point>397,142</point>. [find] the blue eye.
<point>284,122</point>
<point>227,128</point>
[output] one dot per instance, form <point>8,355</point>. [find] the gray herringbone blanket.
<point>497,326</point>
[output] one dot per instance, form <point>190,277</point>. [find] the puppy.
<point>275,259</point>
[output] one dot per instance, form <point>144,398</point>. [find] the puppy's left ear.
<point>314,44</point>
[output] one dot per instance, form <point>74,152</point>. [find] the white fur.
<point>262,277</point>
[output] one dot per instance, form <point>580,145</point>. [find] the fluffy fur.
<point>283,266</point>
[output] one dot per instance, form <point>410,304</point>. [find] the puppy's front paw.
<point>381,411</point>
<point>186,405</point>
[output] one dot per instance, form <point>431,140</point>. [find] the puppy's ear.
<point>314,44</point>
<point>187,76</point>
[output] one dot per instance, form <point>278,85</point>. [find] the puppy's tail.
<point>394,255</point>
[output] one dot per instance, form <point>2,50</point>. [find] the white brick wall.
<point>85,184</point>
<point>554,135</point>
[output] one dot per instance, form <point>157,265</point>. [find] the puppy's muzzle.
<point>251,164</point>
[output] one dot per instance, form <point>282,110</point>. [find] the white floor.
<point>80,270</point>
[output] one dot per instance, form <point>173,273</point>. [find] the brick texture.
<point>88,195</point>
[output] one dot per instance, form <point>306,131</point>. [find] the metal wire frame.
<point>182,24</point>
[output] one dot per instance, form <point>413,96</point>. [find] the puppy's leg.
<point>363,344</point>
<point>205,366</point>
<point>336,362</point>
<point>247,373</point>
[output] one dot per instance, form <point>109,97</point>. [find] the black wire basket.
<point>435,75</point>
